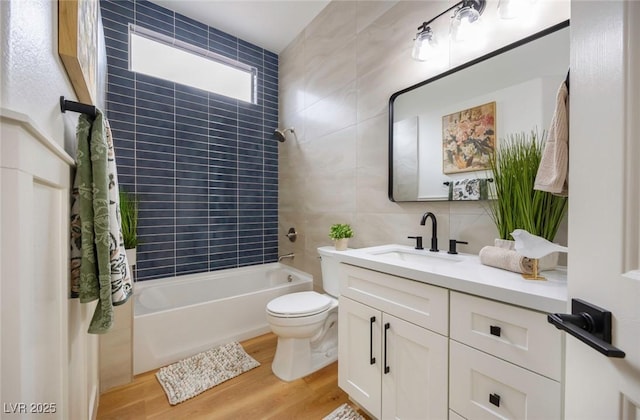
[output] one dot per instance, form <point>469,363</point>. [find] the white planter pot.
<point>548,262</point>
<point>341,244</point>
<point>131,256</point>
<point>131,259</point>
<point>504,243</point>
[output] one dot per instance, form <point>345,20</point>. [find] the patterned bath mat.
<point>344,412</point>
<point>192,376</point>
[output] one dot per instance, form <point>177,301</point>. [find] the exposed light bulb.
<point>425,45</point>
<point>466,25</point>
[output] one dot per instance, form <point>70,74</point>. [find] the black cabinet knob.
<point>495,330</point>
<point>494,399</point>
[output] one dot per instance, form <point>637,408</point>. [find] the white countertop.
<point>469,276</point>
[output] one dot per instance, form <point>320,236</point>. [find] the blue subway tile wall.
<point>204,166</point>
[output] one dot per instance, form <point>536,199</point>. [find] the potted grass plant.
<point>517,204</point>
<point>129,222</point>
<point>340,234</point>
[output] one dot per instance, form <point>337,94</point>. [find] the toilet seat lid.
<point>298,304</point>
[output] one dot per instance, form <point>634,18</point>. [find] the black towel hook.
<point>566,80</point>
<point>66,105</point>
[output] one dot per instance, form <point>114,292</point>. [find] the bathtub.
<point>178,317</point>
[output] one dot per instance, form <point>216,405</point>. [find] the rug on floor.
<point>192,376</point>
<point>344,412</point>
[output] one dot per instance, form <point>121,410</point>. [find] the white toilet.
<point>306,324</point>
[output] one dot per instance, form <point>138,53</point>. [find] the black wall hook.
<point>66,105</point>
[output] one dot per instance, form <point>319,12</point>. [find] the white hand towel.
<point>553,172</point>
<point>505,259</point>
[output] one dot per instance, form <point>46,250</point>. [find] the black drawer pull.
<point>494,399</point>
<point>372,360</point>
<point>495,330</point>
<point>386,367</point>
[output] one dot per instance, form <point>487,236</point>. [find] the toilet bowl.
<point>306,324</point>
<point>307,339</point>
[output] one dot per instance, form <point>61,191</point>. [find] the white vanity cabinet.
<point>393,348</point>
<point>505,361</point>
<point>449,354</point>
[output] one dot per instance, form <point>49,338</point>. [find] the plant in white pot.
<point>129,222</point>
<point>340,233</point>
<point>517,204</point>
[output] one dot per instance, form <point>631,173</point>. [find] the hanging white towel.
<point>553,172</point>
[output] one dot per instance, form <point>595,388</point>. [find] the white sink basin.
<point>429,257</point>
<point>399,254</point>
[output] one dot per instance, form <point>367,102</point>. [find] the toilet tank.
<point>330,270</point>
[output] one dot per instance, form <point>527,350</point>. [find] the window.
<point>160,56</point>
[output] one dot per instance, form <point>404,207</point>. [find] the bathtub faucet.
<point>289,255</point>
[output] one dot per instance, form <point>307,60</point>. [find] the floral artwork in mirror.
<point>469,139</point>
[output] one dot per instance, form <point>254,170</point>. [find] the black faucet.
<point>452,245</point>
<point>418,241</point>
<point>434,229</point>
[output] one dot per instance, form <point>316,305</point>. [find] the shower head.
<point>281,135</point>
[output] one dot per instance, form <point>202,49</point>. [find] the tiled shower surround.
<point>204,167</point>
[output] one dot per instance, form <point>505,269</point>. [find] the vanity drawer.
<point>519,335</point>
<point>484,387</point>
<point>418,303</point>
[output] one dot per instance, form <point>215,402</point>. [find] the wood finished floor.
<point>257,394</point>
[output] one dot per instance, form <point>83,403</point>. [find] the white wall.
<point>32,75</point>
<point>336,79</point>
<point>46,354</point>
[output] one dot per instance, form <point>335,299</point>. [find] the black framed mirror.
<point>431,144</point>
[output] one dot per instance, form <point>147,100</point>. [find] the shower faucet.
<point>290,255</point>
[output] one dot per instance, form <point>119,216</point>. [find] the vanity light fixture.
<point>466,16</point>
<point>425,43</point>
<point>465,24</point>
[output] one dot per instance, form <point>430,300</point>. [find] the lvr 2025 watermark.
<point>28,408</point>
